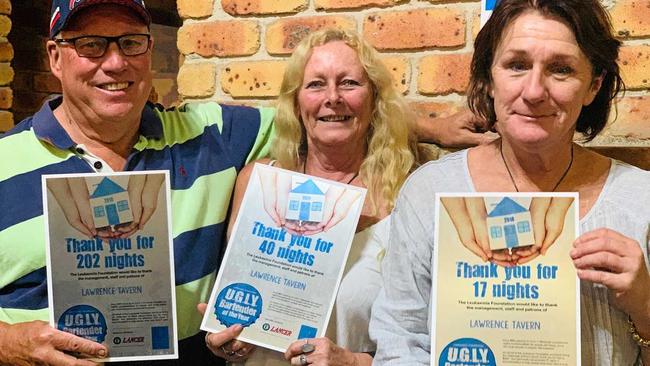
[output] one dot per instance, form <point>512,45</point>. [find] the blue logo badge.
<point>238,303</point>
<point>466,351</point>
<point>84,321</point>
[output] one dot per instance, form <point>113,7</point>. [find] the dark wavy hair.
<point>593,32</point>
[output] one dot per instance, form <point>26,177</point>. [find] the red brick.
<point>444,74</point>
<point>431,110</point>
<point>263,7</point>
<point>635,66</point>
<point>197,80</point>
<point>195,8</point>
<point>400,70</point>
<point>220,38</point>
<point>6,52</point>
<point>632,120</point>
<point>6,98</point>
<point>284,35</point>
<point>415,29</point>
<point>353,4</point>
<point>631,18</point>
<point>6,73</point>
<point>253,79</point>
<point>5,6</point>
<point>6,121</point>
<point>5,25</point>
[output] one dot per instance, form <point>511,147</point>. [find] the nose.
<point>333,96</point>
<point>535,89</point>
<point>113,60</point>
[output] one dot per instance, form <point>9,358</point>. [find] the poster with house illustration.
<point>498,312</point>
<point>306,200</point>
<point>509,223</point>
<point>285,257</point>
<point>109,203</point>
<point>109,243</point>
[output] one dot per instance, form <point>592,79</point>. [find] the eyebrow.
<point>554,57</point>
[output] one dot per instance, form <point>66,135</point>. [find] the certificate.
<point>520,307</point>
<point>285,257</point>
<point>110,261</point>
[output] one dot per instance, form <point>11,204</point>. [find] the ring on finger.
<point>303,360</point>
<point>228,352</point>
<point>242,352</point>
<point>307,348</point>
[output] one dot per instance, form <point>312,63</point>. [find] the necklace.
<point>512,179</point>
<point>304,169</point>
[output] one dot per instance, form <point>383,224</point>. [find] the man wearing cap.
<point>101,52</point>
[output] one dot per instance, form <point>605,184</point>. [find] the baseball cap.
<point>62,10</point>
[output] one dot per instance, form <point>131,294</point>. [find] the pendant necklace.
<point>512,179</point>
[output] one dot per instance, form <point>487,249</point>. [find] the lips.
<point>118,86</point>
<point>335,118</point>
<point>536,115</point>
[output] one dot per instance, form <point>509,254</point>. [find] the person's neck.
<point>536,170</point>
<point>110,141</point>
<point>334,162</point>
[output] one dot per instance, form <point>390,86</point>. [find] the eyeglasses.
<point>95,46</point>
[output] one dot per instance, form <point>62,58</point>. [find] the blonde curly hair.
<point>392,149</point>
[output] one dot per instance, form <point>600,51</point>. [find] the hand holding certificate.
<point>507,298</point>
<point>110,262</point>
<point>285,258</point>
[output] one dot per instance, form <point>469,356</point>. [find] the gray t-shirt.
<point>400,322</point>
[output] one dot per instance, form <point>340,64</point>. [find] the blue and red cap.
<point>63,10</point>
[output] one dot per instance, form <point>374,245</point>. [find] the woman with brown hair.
<point>541,71</point>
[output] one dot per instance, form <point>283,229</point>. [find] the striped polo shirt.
<point>203,146</point>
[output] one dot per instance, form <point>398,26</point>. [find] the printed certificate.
<point>520,307</point>
<point>110,261</point>
<point>285,257</point>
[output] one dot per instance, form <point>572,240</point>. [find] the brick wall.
<point>6,71</point>
<point>235,51</point>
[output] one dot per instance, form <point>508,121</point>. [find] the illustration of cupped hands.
<point>468,214</point>
<point>276,189</point>
<point>73,197</point>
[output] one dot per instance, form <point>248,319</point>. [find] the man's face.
<point>111,88</point>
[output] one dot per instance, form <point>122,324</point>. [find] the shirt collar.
<point>47,127</point>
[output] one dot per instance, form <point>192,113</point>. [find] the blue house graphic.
<point>110,204</point>
<point>306,202</point>
<point>509,225</point>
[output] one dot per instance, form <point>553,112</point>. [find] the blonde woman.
<point>340,118</point>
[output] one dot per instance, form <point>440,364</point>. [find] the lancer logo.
<point>275,329</point>
<point>133,340</point>
<point>284,332</point>
<point>127,340</point>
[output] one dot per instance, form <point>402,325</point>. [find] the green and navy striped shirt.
<point>202,145</point>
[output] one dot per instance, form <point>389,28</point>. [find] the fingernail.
<point>238,327</point>
<point>101,353</point>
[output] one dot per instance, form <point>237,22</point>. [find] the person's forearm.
<point>3,330</point>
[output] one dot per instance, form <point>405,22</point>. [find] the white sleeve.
<point>400,323</point>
